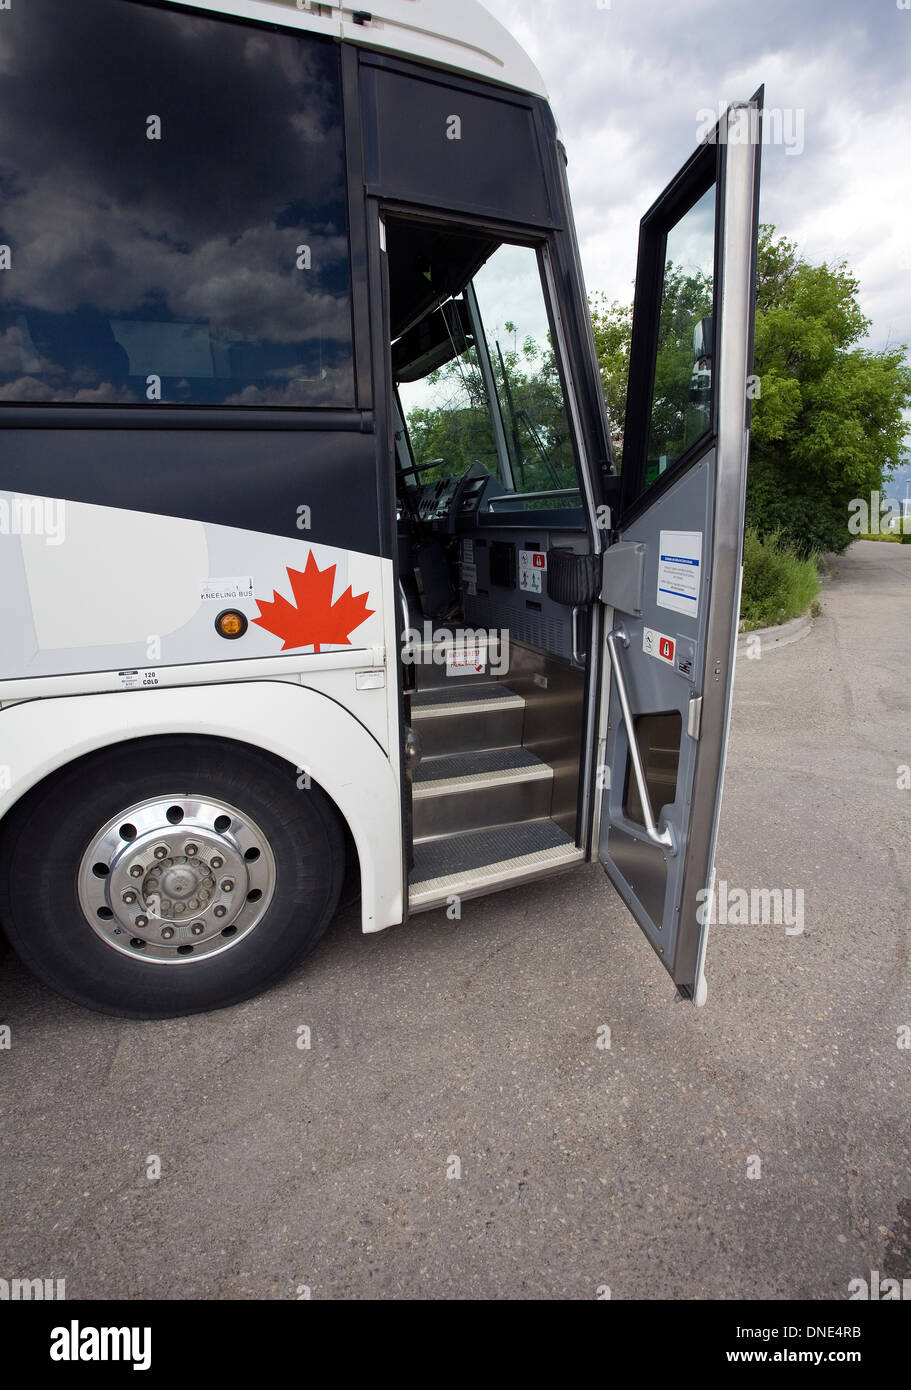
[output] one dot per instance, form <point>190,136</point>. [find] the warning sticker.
<point>532,569</point>
<point>226,590</point>
<point>463,661</point>
<point>679,571</point>
<point>657,644</point>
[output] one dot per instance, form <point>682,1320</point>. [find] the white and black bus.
<point>315,560</point>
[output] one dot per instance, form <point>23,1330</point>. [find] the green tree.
<point>612,324</point>
<point>677,420</point>
<point>457,429</point>
<point>827,422</point>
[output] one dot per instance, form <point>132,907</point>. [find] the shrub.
<point>777,583</point>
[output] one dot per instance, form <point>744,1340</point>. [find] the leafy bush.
<point>777,583</point>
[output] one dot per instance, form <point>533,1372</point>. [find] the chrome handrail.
<point>406,611</point>
<point>658,837</point>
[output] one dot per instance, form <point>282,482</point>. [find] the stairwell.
<point>481,800</point>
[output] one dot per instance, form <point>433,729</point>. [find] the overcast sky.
<point>630,81</point>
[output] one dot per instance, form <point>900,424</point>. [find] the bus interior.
<point>494,558</point>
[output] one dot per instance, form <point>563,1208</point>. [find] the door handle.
<point>579,658</point>
<point>664,837</point>
<point>406,611</point>
<point>409,652</point>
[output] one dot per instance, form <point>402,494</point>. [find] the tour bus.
<point>318,567</point>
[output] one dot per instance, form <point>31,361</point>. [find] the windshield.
<point>485,387</point>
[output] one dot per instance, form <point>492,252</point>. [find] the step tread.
<point>555,853</point>
<point>456,644</point>
<point>456,855</point>
<point>478,763</point>
<point>482,781</point>
<point>471,693</point>
<point>458,637</point>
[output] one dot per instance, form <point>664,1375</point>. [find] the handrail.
<point>658,837</point>
<point>406,610</point>
<point>578,657</point>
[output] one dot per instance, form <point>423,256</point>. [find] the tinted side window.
<point>172,194</point>
<point>683,391</point>
<point>440,146</point>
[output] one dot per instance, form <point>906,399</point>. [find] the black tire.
<point>50,834</point>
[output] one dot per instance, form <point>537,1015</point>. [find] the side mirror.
<point>703,336</point>
<point>701,380</point>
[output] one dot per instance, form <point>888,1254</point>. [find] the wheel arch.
<point>298,726</point>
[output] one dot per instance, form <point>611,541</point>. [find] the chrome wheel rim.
<point>176,880</point>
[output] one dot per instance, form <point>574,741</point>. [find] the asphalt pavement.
<point>455,1130</point>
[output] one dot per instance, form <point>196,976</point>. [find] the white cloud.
<point>627,83</point>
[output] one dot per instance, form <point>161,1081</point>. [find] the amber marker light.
<point>231,624</point>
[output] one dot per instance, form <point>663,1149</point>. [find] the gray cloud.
<point>627,83</point>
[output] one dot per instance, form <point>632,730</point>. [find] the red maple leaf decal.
<point>316,621</point>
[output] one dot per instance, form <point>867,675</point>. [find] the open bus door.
<point>671,580</point>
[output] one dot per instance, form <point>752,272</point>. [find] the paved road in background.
<point>580,1167</point>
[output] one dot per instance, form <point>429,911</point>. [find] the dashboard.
<point>451,503</point>
<point>434,500</point>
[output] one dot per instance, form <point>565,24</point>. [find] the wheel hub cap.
<point>175,879</point>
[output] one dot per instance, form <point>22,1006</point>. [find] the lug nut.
<point>142,922</point>
<point>198,928</point>
<point>129,897</point>
<point>136,871</point>
<point>167,933</point>
<point>227,885</point>
<point>221,911</point>
<point>191,850</point>
<point>161,851</point>
<point>217,861</point>
<point>180,908</point>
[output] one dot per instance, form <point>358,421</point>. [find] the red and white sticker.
<point>532,568</point>
<point>657,644</point>
<point>461,661</point>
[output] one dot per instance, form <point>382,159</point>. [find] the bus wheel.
<point>171,876</point>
